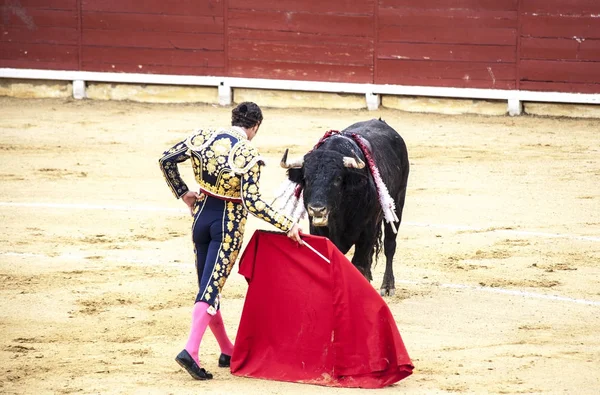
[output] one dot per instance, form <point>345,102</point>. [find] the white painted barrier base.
<point>79,89</point>
<point>373,101</point>
<point>515,107</point>
<point>372,92</point>
<point>225,94</point>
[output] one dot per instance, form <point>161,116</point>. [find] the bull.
<point>341,195</point>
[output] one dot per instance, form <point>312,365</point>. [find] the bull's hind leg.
<point>388,286</point>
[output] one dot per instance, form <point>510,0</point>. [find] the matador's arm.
<point>254,203</point>
<point>168,164</point>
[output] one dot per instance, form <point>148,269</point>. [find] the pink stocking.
<point>200,321</point>
<point>218,329</point>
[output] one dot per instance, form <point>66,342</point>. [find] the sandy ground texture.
<point>497,265</point>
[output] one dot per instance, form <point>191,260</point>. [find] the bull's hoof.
<point>387,292</point>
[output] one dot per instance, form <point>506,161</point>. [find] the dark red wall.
<point>320,40</point>
<point>560,45</point>
<point>458,43</point>
<point>39,34</point>
<point>162,37</point>
<point>503,44</point>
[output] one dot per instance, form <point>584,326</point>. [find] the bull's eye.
<point>337,181</point>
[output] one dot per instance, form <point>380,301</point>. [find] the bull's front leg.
<point>363,258</point>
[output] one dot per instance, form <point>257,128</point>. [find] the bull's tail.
<point>378,242</point>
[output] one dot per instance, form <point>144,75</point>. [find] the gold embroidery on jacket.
<point>219,162</point>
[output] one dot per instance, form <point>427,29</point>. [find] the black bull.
<point>341,198</point>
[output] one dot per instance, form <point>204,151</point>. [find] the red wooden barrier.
<point>499,44</point>
<point>39,34</point>
<point>461,43</point>
<point>301,40</point>
<point>560,45</point>
<point>155,36</point>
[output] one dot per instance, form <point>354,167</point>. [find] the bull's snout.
<point>319,214</point>
<point>316,211</point>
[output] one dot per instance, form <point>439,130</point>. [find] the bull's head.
<point>326,177</point>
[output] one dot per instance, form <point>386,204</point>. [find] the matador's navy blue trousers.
<point>217,233</point>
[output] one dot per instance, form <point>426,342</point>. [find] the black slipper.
<point>224,361</point>
<point>185,360</point>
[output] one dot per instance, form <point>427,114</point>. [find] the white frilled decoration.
<point>289,199</point>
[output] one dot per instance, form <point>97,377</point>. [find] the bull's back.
<point>388,150</point>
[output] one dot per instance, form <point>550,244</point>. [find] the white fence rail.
<point>372,92</point>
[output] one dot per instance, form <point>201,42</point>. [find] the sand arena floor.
<point>497,266</point>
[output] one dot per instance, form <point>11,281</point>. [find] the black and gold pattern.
<point>243,156</point>
<point>256,206</point>
<point>234,222</point>
<point>168,164</point>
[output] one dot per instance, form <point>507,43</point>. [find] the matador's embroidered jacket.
<point>226,166</point>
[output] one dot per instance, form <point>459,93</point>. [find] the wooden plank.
<point>376,25</point>
<point>427,69</point>
<point>152,22</point>
<point>135,39</point>
<point>33,64</point>
<point>153,69</point>
<point>293,38</point>
<point>560,49</point>
<point>32,52</point>
<point>343,25</point>
<point>505,5</point>
<point>448,52</point>
<point>48,35</point>
<point>445,83</point>
<point>560,26</point>
<point>559,87</point>
<point>448,18</point>
<point>558,7</point>
<point>312,6</point>
<point>439,35</point>
<point>560,71</point>
<point>35,18</point>
<point>225,36</point>
<point>315,53</point>
<point>25,5</point>
<point>166,7</point>
<point>146,56</point>
<point>300,71</point>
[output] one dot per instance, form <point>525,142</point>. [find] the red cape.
<point>307,320</point>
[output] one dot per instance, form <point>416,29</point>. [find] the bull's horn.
<point>294,164</point>
<point>354,163</point>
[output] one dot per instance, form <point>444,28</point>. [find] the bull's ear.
<point>295,175</point>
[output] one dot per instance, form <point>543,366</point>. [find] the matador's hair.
<point>246,115</point>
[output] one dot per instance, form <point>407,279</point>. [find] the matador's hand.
<point>189,198</point>
<point>294,234</point>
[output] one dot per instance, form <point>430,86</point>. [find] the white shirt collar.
<point>240,130</point>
